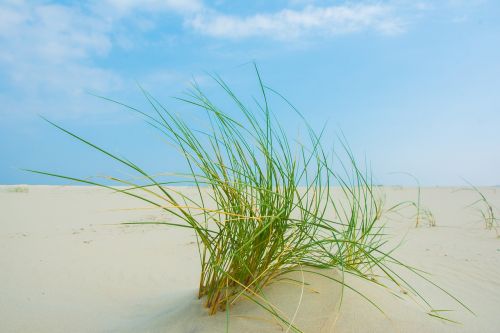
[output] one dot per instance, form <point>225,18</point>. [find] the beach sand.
<point>68,265</point>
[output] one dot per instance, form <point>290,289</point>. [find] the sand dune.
<point>67,265</point>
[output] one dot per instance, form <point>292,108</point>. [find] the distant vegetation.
<point>17,189</point>
<point>486,210</point>
<point>422,214</point>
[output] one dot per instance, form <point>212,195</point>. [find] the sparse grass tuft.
<point>265,205</point>
<point>18,189</point>
<point>426,215</point>
<point>422,214</point>
<point>486,211</point>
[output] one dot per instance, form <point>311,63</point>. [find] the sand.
<point>67,265</point>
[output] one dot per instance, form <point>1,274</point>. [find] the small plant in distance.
<point>266,205</point>
<point>18,189</point>
<point>486,210</point>
<point>422,214</point>
<point>429,217</point>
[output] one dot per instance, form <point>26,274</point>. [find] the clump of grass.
<point>18,189</point>
<point>265,205</point>
<point>486,210</point>
<point>426,215</point>
<point>422,214</point>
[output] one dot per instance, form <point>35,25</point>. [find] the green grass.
<point>422,214</point>
<point>266,205</point>
<point>486,210</point>
<point>17,189</point>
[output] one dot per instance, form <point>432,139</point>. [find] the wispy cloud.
<point>291,24</point>
<point>52,51</point>
<point>46,50</point>
<point>178,6</point>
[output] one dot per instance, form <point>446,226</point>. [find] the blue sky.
<point>414,85</point>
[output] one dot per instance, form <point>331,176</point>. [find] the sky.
<point>413,85</point>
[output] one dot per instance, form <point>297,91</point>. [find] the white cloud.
<point>289,24</point>
<point>52,32</point>
<point>61,92</point>
<point>47,52</point>
<point>50,52</point>
<point>179,6</point>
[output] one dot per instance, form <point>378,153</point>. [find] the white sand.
<point>66,265</point>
